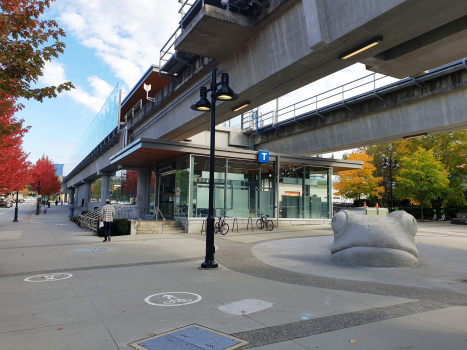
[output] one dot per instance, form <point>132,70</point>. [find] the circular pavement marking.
<point>173,299</point>
<point>90,250</point>
<point>51,277</point>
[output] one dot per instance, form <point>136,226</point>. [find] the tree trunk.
<point>421,203</point>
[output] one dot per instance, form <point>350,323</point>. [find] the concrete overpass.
<point>291,44</point>
<point>432,104</point>
<point>276,49</point>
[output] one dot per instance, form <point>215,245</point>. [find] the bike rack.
<point>248,223</point>
<point>233,225</point>
<point>202,227</point>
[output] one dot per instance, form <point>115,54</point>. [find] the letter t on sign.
<point>263,157</point>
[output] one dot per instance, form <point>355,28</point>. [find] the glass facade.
<point>305,192</point>
<point>102,125</point>
<point>124,187</point>
<point>242,189</point>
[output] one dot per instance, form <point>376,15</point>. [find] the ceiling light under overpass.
<point>361,48</point>
<point>246,104</point>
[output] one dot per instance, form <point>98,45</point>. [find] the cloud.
<point>54,74</point>
<point>126,35</point>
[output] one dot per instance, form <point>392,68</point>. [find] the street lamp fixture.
<point>390,165</point>
<point>219,91</point>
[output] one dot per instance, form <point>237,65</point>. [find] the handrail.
<point>156,215</point>
<point>336,95</point>
<point>184,215</point>
<point>139,105</point>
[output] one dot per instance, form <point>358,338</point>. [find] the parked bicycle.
<point>264,222</point>
<point>221,226</point>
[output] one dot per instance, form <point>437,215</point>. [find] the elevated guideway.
<point>289,44</point>
<point>431,104</point>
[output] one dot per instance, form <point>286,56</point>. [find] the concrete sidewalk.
<point>94,295</point>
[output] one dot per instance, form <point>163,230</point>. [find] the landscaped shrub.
<point>120,227</point>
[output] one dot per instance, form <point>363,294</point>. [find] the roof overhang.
<point>146,153</point>
<point>151,77</point>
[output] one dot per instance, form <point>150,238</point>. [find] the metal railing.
<point>182,215</point>
<point>168,50</point>
<point>157,211</point>
<point>313,104</point>
<point>132,111</point>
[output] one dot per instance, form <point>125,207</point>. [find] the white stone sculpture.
<point>375,241</point>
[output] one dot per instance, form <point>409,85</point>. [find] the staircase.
<point>151,227</point>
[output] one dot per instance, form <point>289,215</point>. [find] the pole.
<point>390,179</point>
<point>209,261</point>
<point>16,209</point>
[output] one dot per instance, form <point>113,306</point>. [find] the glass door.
<point>167,195</point>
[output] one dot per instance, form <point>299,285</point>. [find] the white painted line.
<point>173,299</point>
<point>52,277</point>
<point>245,307</point>
<point>7,211</point>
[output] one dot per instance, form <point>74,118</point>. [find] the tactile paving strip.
<point>190,338</point>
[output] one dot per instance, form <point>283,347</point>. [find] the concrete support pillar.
<point>105,189</point>
<point>86,194</point>
<point>72,195</point>
<point>142,191</point>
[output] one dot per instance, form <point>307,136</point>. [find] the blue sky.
<point>110,42</point>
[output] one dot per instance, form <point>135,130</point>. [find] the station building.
<point>171,178</point>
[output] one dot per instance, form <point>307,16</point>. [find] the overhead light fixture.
<point>225,93</point>
<point>361,48</point>
<point>203,103</point>
<point>414,136</point>
<point>246,104</point>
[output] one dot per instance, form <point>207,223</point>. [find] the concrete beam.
<point>434,114</point>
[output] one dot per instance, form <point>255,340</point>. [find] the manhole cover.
<point>90,250</point>
<point>192,337</point>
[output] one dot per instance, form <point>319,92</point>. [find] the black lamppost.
<point>16,208</point>
<point>219,91</point>
<point>38,194</point>
<point>391,166</point>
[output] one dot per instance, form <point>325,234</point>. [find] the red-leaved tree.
<point>44,171</point>
<point>14,175</point>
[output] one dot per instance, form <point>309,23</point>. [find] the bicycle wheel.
<point>269,225</point>
<point>217,228</point>
<point>225,229</point>
<point>259,224</point>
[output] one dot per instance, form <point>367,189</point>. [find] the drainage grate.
<point>190,338</point>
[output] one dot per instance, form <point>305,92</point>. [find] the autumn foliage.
<point>45,172</point>
<point>13,159</point>
<point>357,183</point>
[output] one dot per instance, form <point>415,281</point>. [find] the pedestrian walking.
<point>72,209</point>
<point>56,201</point>
<point>107,214</point>
<point>45,207</point>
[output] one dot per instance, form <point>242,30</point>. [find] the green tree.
<point>451,150</point>
<point>359,183</point>
<point>422,178</point>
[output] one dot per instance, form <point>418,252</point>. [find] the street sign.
<point>263,157</point>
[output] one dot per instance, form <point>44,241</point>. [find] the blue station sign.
<point>263,157</point>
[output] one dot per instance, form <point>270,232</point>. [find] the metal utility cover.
<point>192,337</point>
<point>245,307</point>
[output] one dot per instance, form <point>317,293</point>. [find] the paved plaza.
<point>63,288</point>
